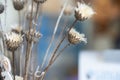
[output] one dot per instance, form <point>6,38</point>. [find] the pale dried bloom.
<point>34,35</point>
<point>13,40</point>
<point>18,78</point>
<point>5,62</point>
<point>83,11</point>
<point>75,37</point>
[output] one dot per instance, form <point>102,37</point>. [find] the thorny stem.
<point>29,48</point>
<point>55,29</point>
<point>13,56</point>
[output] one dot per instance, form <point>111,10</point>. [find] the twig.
<point>55,29</point>
<point>61,33</point>
<point>62,41</point>
<point>54,59</point>
<point>29,48</point>
<point>5,12</point>
<point>36,15</point>
<point>28,56</point>
<point>21,59</point>
<point>1,33</point>
<point>19,18</point>
<point>13,56</point>
<point>60,53</point>
<point>57,49</point>
<point>75,21</point>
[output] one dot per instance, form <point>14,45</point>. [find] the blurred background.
<point>102,31</point>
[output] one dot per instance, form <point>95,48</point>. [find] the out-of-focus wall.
<point>54,6</point>
<point>11,15</point>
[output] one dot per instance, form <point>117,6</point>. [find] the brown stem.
<point>36,18</point>
<point>72,25</point>
<point>13,55</point>
<point>62,41</point>
<point>60,53</point>
<point>29,48</point>
<point>28,56</point>
<point>19,18</point>
<point>36,15</point>
<point>54,59</point>
<point>57,49</point>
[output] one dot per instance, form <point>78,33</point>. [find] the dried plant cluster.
<point>16,37</point>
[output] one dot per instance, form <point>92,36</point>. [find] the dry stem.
<point>19,18</point>
<point>28,56</point>
<point>13,56</point>
<point>53,59</point>
<point>54,56</point>
<point>75,21</point>
<point>55,30</point>
<point>29,48</point>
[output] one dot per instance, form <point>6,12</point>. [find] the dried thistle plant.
<point>18,4</point>
<point>14,38</point>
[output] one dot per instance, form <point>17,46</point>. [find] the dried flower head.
<point>17,29</point>
<point>18,78</point>
<point>18,4</point>
<point>34,35</point>
<point>68,10</point>
<point>1,8</point>
<point>13,40</point>
<point>40,1</point>
<point>75,37</point>
<point>83,11</point>
<point>5,62</point>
